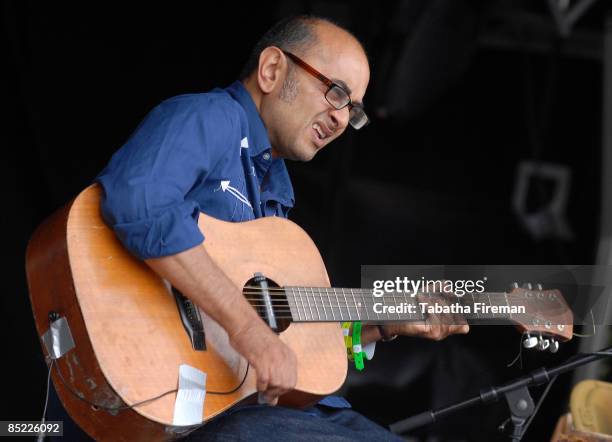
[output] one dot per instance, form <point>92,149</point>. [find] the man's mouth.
<point>320,132</point>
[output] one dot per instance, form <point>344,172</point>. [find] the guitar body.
<point>129,339</point>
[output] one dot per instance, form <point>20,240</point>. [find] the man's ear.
<point>271,69</point>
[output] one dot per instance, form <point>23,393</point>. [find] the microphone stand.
<point>516,393</point>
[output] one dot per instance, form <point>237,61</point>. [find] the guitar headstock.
<point>547,320</point>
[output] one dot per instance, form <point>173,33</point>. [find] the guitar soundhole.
<point>255,292</point>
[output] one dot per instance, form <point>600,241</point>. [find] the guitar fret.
<point>312,317</point>
<point>331,307</point>
<point>399,316</point>
<point>295,300</point>
<point>365,302</point>
<point>384,299</point>
<point>301,301</point>
<point>307,302</point>
<point>346,305</point>
<point>414,300</point>
<point>371,294</point>
<point>318,318</point>
<point>357,315</point>
<point>323,304</point>
<point>420,314</point>
<point>292,301</point>
<point>338,302</point>
<point>304,306</point>
<point>348,311</point>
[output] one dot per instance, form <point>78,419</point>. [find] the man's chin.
<point>304,153</point>
<point>302,158</point>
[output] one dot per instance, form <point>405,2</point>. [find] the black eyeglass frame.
<point>356,112</point>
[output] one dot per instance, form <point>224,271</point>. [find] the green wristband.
<point>357,350</point>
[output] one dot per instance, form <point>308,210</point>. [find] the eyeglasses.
<point>335,95</point>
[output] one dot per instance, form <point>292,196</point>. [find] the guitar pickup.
<point>191,319</point>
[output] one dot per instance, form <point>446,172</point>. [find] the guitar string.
<point>283,301</point>
<point>316,291</point>
<point>357,289</point>
<point>364,293</point>
<point>318,295</point>
<point>341,290</point>
<point>363,296</point>
<point>405,316</point>
<point>360,295</point>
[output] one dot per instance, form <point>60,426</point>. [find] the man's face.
<point>299,119</point>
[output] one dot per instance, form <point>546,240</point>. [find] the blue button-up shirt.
<point>199,152</point>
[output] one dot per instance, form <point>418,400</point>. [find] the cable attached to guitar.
<point>41,436</point>
<point>54,316</point>
<point>146,401</point>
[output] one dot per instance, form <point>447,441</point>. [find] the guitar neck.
<point>323,304</point>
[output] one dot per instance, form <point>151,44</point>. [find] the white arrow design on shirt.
<point>225,186</point>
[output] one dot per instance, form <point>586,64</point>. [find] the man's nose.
<point>340,118</point>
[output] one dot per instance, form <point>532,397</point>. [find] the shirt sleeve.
<point>147,180</point>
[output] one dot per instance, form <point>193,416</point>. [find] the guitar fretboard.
<point>323,304</point>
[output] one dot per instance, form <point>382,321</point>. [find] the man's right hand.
<point>195,274</point>
<point>274,362</point>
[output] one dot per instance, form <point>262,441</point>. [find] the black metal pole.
<point>536,377</point>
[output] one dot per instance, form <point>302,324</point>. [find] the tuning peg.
<point>514,285</point>
<point>527,286</point>
<point>554,346</point>
<point>543,343</point>
<point>530,341</point>
<point>539,287</point>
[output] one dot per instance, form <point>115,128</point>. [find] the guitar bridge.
<point>191,319</point>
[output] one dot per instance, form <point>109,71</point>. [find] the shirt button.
<point>266,156</point>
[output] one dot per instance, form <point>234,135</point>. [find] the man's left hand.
<point>436,326</point>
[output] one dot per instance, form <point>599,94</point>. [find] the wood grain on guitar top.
<point>132,323</point>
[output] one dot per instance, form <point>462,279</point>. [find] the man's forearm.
<point>197,276</point>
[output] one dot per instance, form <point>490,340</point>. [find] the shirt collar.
<point>258,135</point>
<point>279,187</point>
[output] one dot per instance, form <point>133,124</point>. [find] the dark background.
<point>461,92</point>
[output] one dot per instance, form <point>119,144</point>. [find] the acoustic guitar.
<point>132,331</point>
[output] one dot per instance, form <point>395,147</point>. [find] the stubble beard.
<point>288,94</point>
<point>289,90</point>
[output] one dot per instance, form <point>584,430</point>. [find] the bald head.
<point>333,42</point>
<point>301,34</point>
